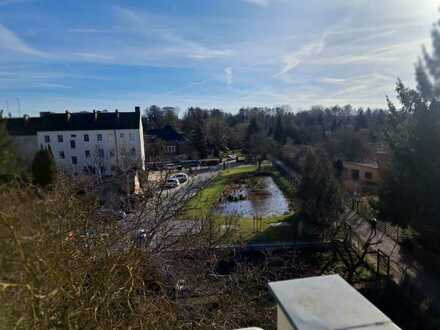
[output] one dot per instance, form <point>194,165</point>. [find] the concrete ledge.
<point>325,302</point>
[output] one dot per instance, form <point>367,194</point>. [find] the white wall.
<point>117,146</point>
<point>141,141</point>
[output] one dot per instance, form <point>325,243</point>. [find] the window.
<point>112,153</point>
<point>86,137</point>
<point>170,149</point>
<point>47,138</point>
<point>99,137</point>
<point>368,175</point>
<point>355,175</point>
<point>62,155</point>
<point>121,135</point>
<point>60,138</point>
<point>72,144</point>
<point>133,151</point>
<point>85,169</point>
<point>101,153</point>
<point>74,160</point>
<point>87,152</point>
<point>73,135</point>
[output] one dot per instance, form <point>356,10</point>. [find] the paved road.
<point>402,263</point>
<point>158,212</point>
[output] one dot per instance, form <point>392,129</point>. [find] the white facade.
<point>95,151</point>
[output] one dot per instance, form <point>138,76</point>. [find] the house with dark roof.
<point>167,143</point>
<point>97,142</point>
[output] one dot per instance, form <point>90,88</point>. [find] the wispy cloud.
<point>53,85</point>
<point>379,55</point>
<point>262,3</point>
<point>293,59</point>
<point>12,2</point>
<point>167,38</point>
<point>367,90</point>
<point>228,75</point>
<point>188,86</point>
<point>365,85</point>
<point>329,80</point>
<point>94,56</point>
<point>316,52</point>
<point>87,30</point>
<point>10,41</point>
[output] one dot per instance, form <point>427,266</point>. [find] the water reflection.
<point>258,197</point>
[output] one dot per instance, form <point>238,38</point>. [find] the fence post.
<point>388,266</point>
<point>377,262</point>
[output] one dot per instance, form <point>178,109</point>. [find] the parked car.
<point>182,177</point>
<point>170,167</point>
<point>210,162</point>
<point>172,183</point>
<point>190,163</point>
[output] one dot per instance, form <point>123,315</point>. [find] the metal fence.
<point>376,257</point>
<point>365,212</point>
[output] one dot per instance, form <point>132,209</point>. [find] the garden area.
<point>258,204</point>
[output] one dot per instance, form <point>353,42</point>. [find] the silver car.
<point>182,177</point>
<point>172,183</point>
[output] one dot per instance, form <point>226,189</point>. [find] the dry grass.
<point>64,266</point>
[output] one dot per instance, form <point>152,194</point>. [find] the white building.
<point>90,142</point>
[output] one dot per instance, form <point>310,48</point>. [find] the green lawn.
<point>201,206</point>
<point>275,229</point>
<point>204,201</point>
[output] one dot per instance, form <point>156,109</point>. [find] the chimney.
<point>67,115</point>
<point>137,109</point>
<point>26,120</point>
<point>95,115</point>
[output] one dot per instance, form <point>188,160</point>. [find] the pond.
<point>256,196</point>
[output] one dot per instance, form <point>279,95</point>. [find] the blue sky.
<point>82,54</point>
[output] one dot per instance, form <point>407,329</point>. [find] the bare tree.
<point>351,248</point>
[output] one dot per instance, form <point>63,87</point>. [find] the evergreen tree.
<point>200,141</point>
<point>155,117</point>
<point>409,194</point>
<point>260,146</point>
<point>8,159</point>
<point>170,116</point>
<point>44,168</point>
<point>279,135</point>
<point>253,127</point>
<point>348,145</point>
<point>319,190</point>
<point>360,120</point>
